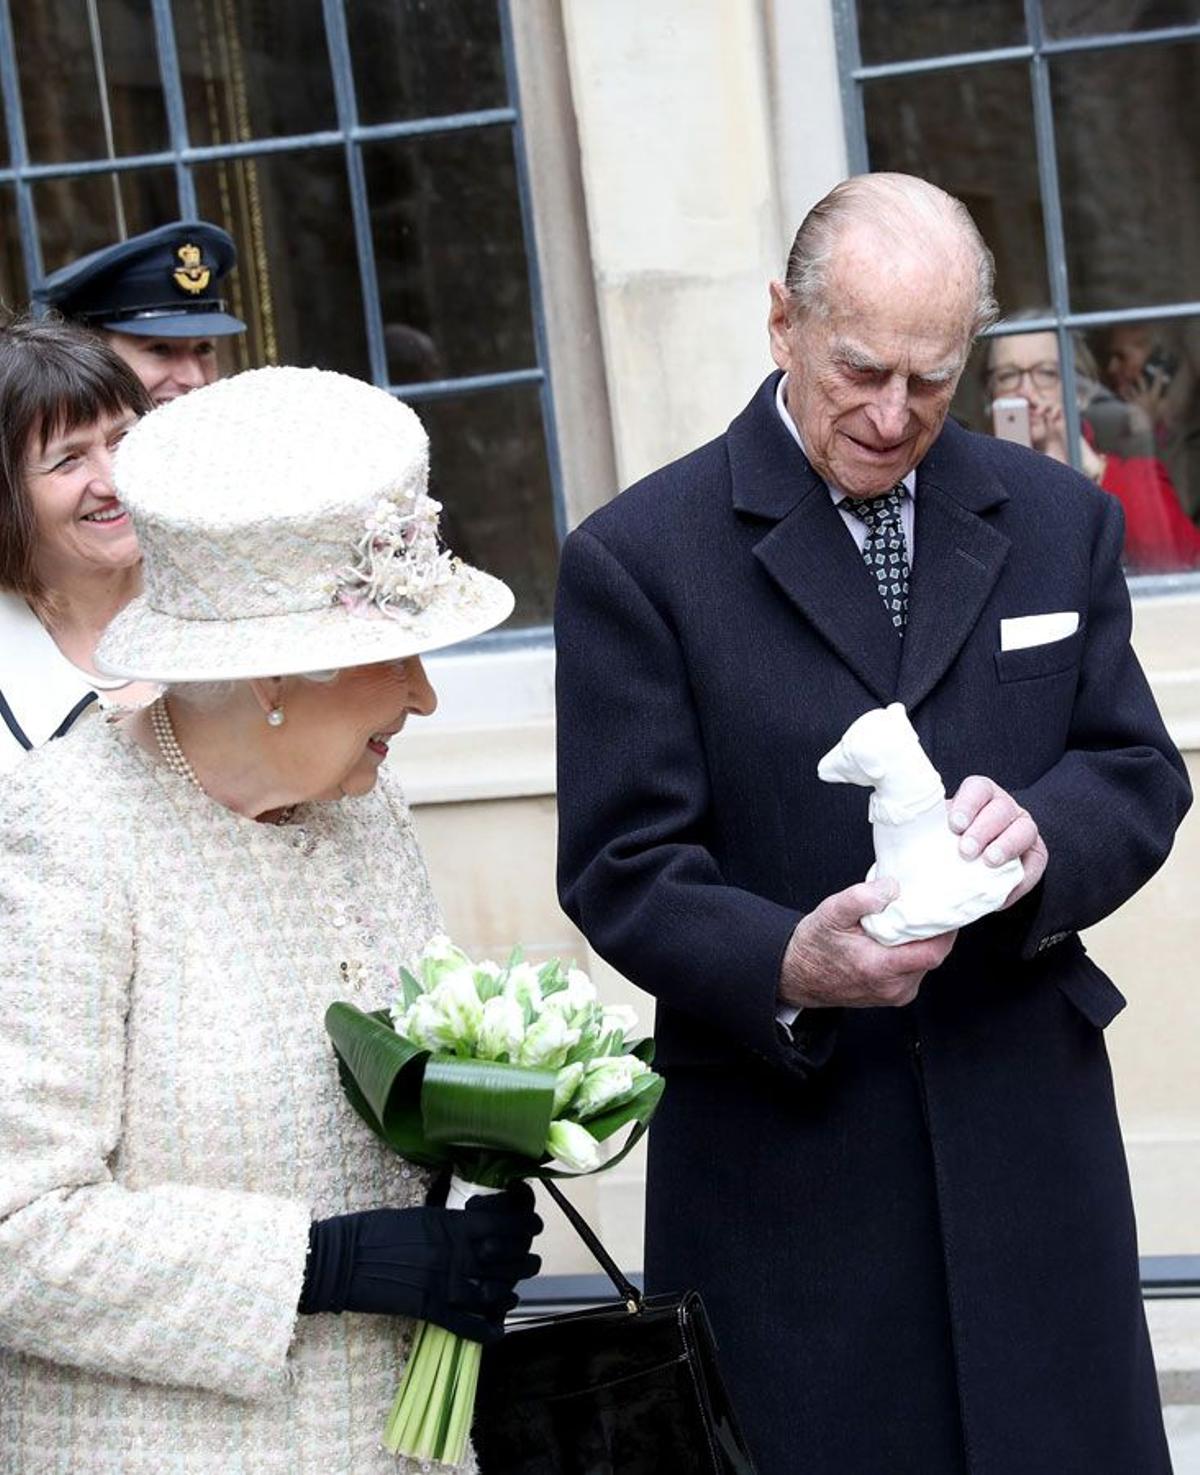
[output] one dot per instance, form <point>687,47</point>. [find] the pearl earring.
<point>275,716</point>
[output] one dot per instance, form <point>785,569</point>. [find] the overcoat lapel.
<point>958,558</point>
<point>808,550</point>
<point>813,558</point>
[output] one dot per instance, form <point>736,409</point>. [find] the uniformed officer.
<point>156,298</point>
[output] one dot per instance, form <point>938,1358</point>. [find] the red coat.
<point>1159,536</point>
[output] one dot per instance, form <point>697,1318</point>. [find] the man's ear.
<point>268,691</point>
<point>779,325</point>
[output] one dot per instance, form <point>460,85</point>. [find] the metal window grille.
<point>1037,51</point>
<point>350,136</point>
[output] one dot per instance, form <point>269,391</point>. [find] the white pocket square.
<point>1027,630</point>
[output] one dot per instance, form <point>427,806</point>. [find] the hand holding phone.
<point>1010,419</point>
<point>1160,368</point>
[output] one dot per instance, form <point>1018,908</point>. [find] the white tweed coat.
<point>171,1120</point>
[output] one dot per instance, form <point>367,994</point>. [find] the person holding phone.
<point>1024,367</point>
<point>1152,367</point>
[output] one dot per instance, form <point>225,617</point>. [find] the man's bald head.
<point>894,221</point>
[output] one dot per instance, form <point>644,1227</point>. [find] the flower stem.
<point>435,1403</point>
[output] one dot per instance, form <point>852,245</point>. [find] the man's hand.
<point>831,963</point>
<point>992,823</point>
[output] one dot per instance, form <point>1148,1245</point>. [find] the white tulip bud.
<point>524,985</point>
<point>548,1041</point>
<point>573,1146</point>
<point>606,1080</point>
<point>569,1078</point>
<point>501,1029</point>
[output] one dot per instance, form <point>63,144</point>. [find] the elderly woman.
<point>1159,536</point>
<point>69,559</point>
<point>186,1199</point>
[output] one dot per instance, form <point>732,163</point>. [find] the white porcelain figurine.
<point>914,843</point>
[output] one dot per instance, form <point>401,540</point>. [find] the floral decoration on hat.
<point>399,563</point>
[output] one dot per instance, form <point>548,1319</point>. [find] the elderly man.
<point>896,1173</point>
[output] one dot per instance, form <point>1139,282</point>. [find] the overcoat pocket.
<point>1091,990</point>
<point>1040,660</point>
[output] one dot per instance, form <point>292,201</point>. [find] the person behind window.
<point>187,1199</point>
<point>1158,535</point>
<point>156,298</point>
<point>69,558</point>
<point>1153,368</point>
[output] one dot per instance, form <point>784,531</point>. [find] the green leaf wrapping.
<point>485,1115</point>
<point>381,1072</point>
<point>484,1103</point>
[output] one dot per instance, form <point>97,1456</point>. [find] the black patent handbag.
<point>631,1388</point>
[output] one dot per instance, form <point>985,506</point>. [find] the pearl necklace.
<point>176,759</point>
<point>168,744</point>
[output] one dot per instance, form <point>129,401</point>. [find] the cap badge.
<point>191,275</point>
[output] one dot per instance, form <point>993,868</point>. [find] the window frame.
<point>588,453</point>
<point>1038,51</point>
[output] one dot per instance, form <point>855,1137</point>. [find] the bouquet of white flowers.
<point>498,1073</point>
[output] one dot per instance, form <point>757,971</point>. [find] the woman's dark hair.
<point>54,377</point>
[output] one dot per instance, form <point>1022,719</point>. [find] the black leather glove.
<point>453,1267</point>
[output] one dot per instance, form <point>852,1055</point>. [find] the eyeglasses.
<point>1009,377</point>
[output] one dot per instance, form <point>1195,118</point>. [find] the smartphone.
<point>1160,367</point>
<point>1010,419</point>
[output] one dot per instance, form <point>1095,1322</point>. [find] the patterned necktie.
<point>885,552</point>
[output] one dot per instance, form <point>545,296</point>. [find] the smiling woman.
<point>261,746</point>
<point>69,558</point>
<point>168,367</point>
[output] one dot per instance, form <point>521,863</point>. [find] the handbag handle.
<point>626,1289</point>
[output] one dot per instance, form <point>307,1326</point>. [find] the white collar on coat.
<point>40,687</point>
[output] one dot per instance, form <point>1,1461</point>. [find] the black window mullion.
<point>850,61</point>
<point>426,389</point>
<point>854,117</point>
<point>14,118</point>
<point>1123,40</point>
<point>346,99</point>
<point>1052,221</point>
<point>249,148</point>
<point>172,85</point>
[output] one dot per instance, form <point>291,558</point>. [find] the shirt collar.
<point>836,494</point>
<point>37,681</point>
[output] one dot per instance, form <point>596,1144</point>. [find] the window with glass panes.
<point>1069,128</point>
<point>368,159</point>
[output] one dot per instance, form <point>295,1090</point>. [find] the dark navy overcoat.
<point>913,1227</point>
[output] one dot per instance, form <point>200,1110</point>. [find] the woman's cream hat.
<point>285,526</point>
